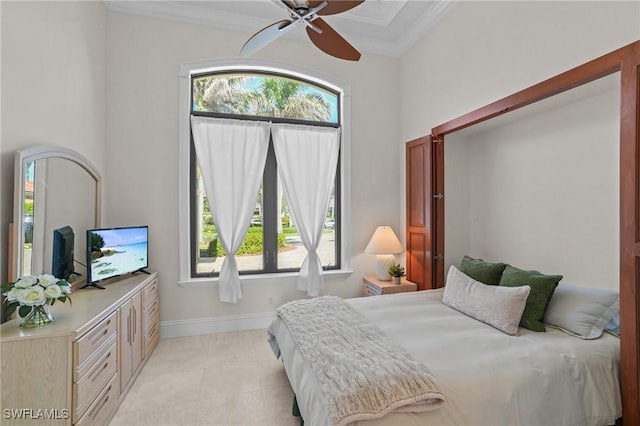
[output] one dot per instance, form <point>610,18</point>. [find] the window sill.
<point>259,278</point>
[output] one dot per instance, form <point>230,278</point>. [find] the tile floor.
<point>216,379</point>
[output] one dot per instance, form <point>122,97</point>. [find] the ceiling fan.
<point>308,12</point>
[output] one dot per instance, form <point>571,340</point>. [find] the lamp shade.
<point>384,241</point>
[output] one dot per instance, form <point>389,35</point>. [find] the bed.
<point>488,377</point>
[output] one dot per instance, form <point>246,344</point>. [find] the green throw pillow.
<point>542,288</point>
<point>479,270</point>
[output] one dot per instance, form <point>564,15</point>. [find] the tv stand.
<point>93,285</point>
<point>144,271</point>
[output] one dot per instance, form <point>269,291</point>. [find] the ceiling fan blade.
<point>266,36</point>
<point>289,3</point>
<point>332,43</point>
<point>335,6</point>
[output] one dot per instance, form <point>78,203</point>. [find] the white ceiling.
<point>384,27</point>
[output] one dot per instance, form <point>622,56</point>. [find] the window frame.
<point>258,66</point>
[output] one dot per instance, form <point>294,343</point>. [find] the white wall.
<point>144,56</point>
<point>484,51</point>
<point>53,86</point>
<point>541,192</point>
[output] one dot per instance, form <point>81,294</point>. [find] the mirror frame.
<point>33,153</point>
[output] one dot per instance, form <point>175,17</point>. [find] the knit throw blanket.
<point>362,373</point>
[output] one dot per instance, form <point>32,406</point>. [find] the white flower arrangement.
<point>33,292</point>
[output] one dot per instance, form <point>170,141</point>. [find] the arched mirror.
<point>56,195</point>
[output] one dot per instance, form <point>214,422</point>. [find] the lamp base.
<point>382,264</point>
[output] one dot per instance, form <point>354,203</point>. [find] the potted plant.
<point>397,272</point>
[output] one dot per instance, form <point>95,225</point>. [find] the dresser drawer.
<point>85,347</point>
<point>151,336</point>
<point>151,312</point>
<point>100,412</point>
<point>150,293</point>
<point>91,360</point>
<point>369,289</point>
<point>94,381</point>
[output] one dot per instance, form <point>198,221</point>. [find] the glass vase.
<point>39,315</point>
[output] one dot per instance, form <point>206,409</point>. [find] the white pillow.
<point>582,311</point>
<point>499,306</point>
<point>613,327</point>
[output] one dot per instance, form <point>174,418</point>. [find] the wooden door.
<point>130,339</point>
<point>419,257</point>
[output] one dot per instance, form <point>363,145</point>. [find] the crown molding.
<point>381,17</point>
<point>398,46</point>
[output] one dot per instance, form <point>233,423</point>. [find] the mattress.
<point>488,377</point>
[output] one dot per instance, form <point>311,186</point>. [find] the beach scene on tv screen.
<point>117,251</point>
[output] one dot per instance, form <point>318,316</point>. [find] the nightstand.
<point>372,286</point>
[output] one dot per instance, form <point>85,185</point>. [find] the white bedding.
<point>363,374</point>
<point>488,377</point>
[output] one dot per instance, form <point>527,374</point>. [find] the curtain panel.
<point>307,158</point>
<point>232,155</point>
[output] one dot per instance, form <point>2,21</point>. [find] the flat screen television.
<point>62,261</point>
<point>116,251</point>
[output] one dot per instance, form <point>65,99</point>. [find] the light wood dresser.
<point>78,369</point>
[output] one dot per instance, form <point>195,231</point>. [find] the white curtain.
<point>307,157</point>
<point>232,155</point>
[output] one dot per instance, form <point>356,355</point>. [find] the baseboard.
<point>194,327</point>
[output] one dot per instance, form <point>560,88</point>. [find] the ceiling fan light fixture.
<point>322,35</point>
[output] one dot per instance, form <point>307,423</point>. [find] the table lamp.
<point>384,244</point>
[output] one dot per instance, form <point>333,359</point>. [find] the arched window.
<point>263,95</point>
<point>272,244</point>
